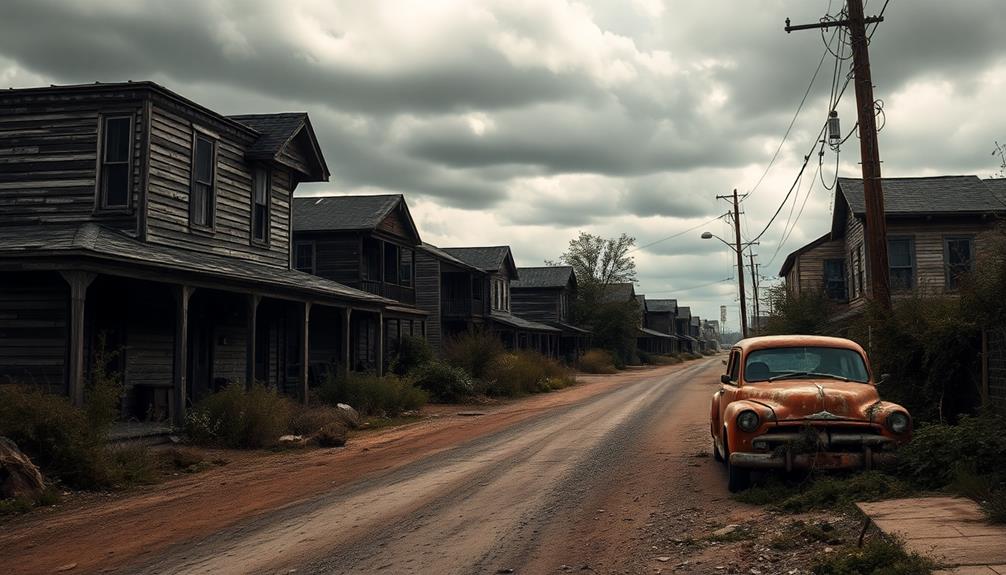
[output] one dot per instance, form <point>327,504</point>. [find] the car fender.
<point>737,440</point>
<point>714,414</point>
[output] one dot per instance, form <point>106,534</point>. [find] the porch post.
<point>79,281</point>
<point>180,364</point>
<point>306,351</point>
<point>252,316</point>
<point>380,343</point>
<point>347,314</point>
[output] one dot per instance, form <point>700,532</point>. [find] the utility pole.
<point>756,322</point>
<point>876,222</point>
<point>740,260</point>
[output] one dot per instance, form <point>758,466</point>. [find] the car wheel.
<point>716,451</point>
<point>738,478</point>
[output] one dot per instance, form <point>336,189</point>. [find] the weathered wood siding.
<point>854,237</point>
<point>928,238</point>
<point>33,329</point>
<point>336,256</point>
<point>171,137</point>
<point>808,270</point>
<point>536,304</point>
<point>49,155</point>
<point>662,321</point>
<point>428,296</point>
<point>397,225</point>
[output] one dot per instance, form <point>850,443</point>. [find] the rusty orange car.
<point>801,402</point>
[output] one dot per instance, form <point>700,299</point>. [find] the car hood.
<point>819,399</point>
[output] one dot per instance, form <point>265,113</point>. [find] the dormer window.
<point>113,180</point>
<point>202,195</point>
<point>260,204</point>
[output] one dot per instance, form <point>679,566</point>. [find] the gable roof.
<point>486,258</point>
<point>684,313</point>
<point>277,131</point>
<point>662,305</point>
<point>446,257</point>
<point>618,293</point>
<point>791,258</point>
<point>347,213</point>
<point>544,277</point>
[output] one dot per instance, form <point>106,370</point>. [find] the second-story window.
<point>202,197</point>
<point>405,267</point>
<point>303,257</point>
<point>901,259</point>
<point>260,204</point>
<point>113,181</point>
<point>834,279</point>
<point>960,259</point>
<point>390,263</point>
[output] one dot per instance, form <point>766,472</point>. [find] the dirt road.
<point>562,482</point>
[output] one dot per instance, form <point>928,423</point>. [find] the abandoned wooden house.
<point>546,295</point>
<point>454,294</point>
<point>650,340</point>
<point>683,328</point>
<point>368,243</point>
<point>134,218</point>
<point>660,314</point>
<point>695,330</point>
<point>515,332</point>
<point>936,228</point>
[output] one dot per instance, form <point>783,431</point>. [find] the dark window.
<point>901,259</point>
<point>390,263</point>
<point>405,268</point>
<point>960,259</point>
<point>834,279</point>
<point>477,288</point>
<point>303,256</point>
<point>371,259</point>
<point>202,199</point>
<point>115,156</point>
<point>260,204</point>
<point>734,366</point>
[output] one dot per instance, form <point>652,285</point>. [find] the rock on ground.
<point>19,477</point>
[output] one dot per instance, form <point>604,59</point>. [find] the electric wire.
<point>677,235</point>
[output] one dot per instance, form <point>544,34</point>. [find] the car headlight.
<point>748,421</point>
<point>898,422</point>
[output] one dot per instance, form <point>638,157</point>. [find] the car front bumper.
<point>821,460</point>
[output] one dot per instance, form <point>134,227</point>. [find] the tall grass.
<point>370,394</point>
<point>239,418</point>
<point>474,351</point>
<point>523,372</point>
<point>597,361</point>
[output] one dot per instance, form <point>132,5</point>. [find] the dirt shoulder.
<point>102,534</point>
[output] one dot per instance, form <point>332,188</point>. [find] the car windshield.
<point>805,362</point>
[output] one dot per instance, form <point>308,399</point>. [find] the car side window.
<point>733,367</point>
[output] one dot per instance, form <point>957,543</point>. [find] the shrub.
<point>373,395</point>
<point>444,382</point>
<point>879,556</point>
<point>474,351</point>
<point>938,453</point>
<point>412,354</point>
<point>134,466</point>
<point>527,372</point>
<point>240,418</point>
<point>597,361</point>
<point>309,420</point>
<point>183,458</point>
<point>663,360</point>
<point>19,505</point>
<point>331,435</point>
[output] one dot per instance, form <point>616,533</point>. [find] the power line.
<point>677,235</point>
<point>722,281</point>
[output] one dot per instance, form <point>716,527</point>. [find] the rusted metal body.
<point>806,421</point>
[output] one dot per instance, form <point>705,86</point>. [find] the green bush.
<point>240,418</point>
<point>412,354</point>
<point>445,382</point>
<point>938,453</point>
<point>474,351</point>
<point>825,492</point>
<point>878,557</point>
<point>597,361</point>
<point>372,395</point>
<point>526,372</point>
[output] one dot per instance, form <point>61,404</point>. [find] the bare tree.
<point>600,261</point>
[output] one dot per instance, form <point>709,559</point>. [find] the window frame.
<point>913,266</point>
<point>844,277</point>
<point>314,255</point>
<point>411,267</point>
<point>100,194</point>
<point>265,172</point>
<point>211,214</point>
<point>947,277</point>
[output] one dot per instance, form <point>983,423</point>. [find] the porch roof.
<point>520,323</point>
<point>566,327</point>
<point>110,246</point>
<point>646,332</point>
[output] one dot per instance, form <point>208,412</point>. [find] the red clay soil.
<point>136,528</point>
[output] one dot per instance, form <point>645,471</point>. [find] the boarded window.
<point>390,263</point>
<point>959,257</point>
<point>405,267</point>
<point>834,279</point>
<point>303,256</point>
<point>202,199</point>
<point>115,156</point>
<point>901,259</point>
<point>260,204</point>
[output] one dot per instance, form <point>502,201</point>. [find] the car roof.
<point>771,341</point>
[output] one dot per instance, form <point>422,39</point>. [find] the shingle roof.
<point>618,292</point>
<point>696,322</point>
<point>646,332</point>
<point>521,323</point>
<point>662,305</point>
<point>543,277</point>
<point>342,213</point>
<point>684,312</point>
<point>441,254</point>
<point>488,258</point>
<point>92,239</point>
<point>275,129</point>
<point>928,195</point>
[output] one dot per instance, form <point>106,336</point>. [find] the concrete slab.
<point>951,530</point>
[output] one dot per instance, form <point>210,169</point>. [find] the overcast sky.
<point>522,122</point>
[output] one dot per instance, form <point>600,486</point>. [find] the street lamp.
<point>738,249</point>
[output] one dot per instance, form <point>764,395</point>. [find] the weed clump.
<point>878,557</point>
<point>597,361</point>
<point>474,351</point>
<point>444,382</point>
<point>240,418</point>
<point>525,372</point>
<point>373,395</point>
